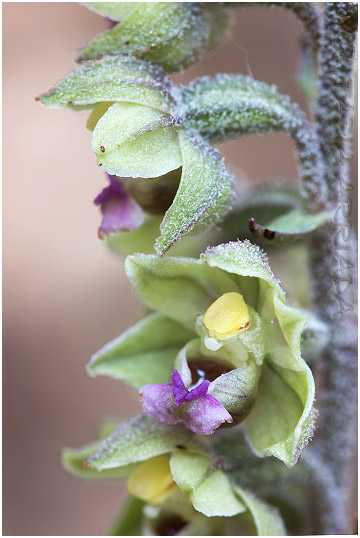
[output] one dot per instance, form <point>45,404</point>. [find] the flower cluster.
<point>216,359</point>
<point>221,329</point>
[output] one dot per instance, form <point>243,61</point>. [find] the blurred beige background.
<point>65,295</point>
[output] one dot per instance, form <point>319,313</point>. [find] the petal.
<point>104,195</point>
<point>204,414</point>
<point>282,420</point>
<point>178,388</point>
<point>120,214</point>
<point>198,391</point>
<point>158,402</point>
<point>123,152</point>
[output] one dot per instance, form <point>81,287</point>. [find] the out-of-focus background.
<point>65,295</point>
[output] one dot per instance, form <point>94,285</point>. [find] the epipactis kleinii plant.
<point>218,356</point>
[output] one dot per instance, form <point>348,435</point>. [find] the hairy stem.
<point>308,14</point>
<point>333,253</point>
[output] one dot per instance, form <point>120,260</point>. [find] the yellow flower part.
<point>227,315</point>
<point>152,481</point>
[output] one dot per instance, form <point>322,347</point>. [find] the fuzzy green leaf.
<point>203,195</point>
<point>72,460</point>
<point>173,35</point>
<point>267,518</point>
<point>181,288</point>
<point>143,354</point>
<point>122,151</point>
<point>139,439</point>
<point>120,78</point>
<point>290,226</point>
<point>209,489</point>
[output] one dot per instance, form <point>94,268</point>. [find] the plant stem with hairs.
<point>333,255</point>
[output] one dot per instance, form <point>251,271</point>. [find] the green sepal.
<point>122,149</point>
<point>290,226</point>
<point>286,389</point>
<point>243,259</point>
<point>204,193</point>
<point>141,438</point>
<point>282,421</point>
<point>181,288</point>
<point>120,78</point>
<point>143,354</point>
<point>173,35</point>
<point>267,518</point>
<point>208,488</point>
<point>72,460</point>
<point>129,520</point>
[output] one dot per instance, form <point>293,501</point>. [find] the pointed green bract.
<point>120,78</point>
<point>181,288</point>
<point>72,460</point>
<point>139,439</point>
<point>209,489</point>
<point>120,152</point>
<point>143,354</point>
<point>204,193</point>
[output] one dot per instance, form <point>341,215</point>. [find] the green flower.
<point>223,318</point>
<point>159,136</point>
<point>136,134</point>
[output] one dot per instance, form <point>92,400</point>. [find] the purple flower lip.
<point>172,403</point>
<point>181,394</point>
<point>120,211</point>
